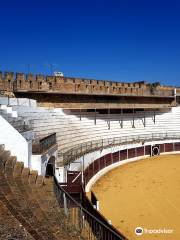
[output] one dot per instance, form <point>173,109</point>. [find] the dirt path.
<point>143,194</point>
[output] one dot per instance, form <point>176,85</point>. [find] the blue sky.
<point>118,40</point>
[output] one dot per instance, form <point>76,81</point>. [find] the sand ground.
<point>143,194</point>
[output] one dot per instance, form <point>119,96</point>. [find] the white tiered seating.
<point>70,130</point>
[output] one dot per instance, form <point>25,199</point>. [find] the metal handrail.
<point>79,150</point>
<point>41,145</point>
<point>84,221</point>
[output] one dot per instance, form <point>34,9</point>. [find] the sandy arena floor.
<point>143,194</point>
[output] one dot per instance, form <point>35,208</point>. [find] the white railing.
<point>68,156</point>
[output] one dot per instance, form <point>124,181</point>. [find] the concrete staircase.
<point>11,116</point>
<point>29,203</point>
<point>10,227</point>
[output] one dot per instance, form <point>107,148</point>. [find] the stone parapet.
<point>21,82</point>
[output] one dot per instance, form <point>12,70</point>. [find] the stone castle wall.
<point>19,82</point>
<point>66,92</point>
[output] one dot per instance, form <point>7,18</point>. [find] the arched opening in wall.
<point>50,168</point>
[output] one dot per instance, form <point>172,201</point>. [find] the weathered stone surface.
<point>10,227</point>
<point>28,206</point>
<point>126,95</point>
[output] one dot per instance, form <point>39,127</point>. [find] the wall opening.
<point>50,168</point>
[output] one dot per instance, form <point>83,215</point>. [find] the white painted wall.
<point>13,141</point>
<point>60,174</point>
<point>44,161</point>
<point>18,101</point>
<point>36,163</point>
<point>39,163</point>
<point>90,157</point>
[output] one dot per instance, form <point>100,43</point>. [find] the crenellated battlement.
<point>20,82</point>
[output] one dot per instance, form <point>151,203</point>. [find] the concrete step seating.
<point>30,200</point>
<point>71,131</point>
<point>19,123</point>
<point>10,227</point>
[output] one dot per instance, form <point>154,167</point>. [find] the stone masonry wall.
<point>20,82</point>
<point>87,93</point>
